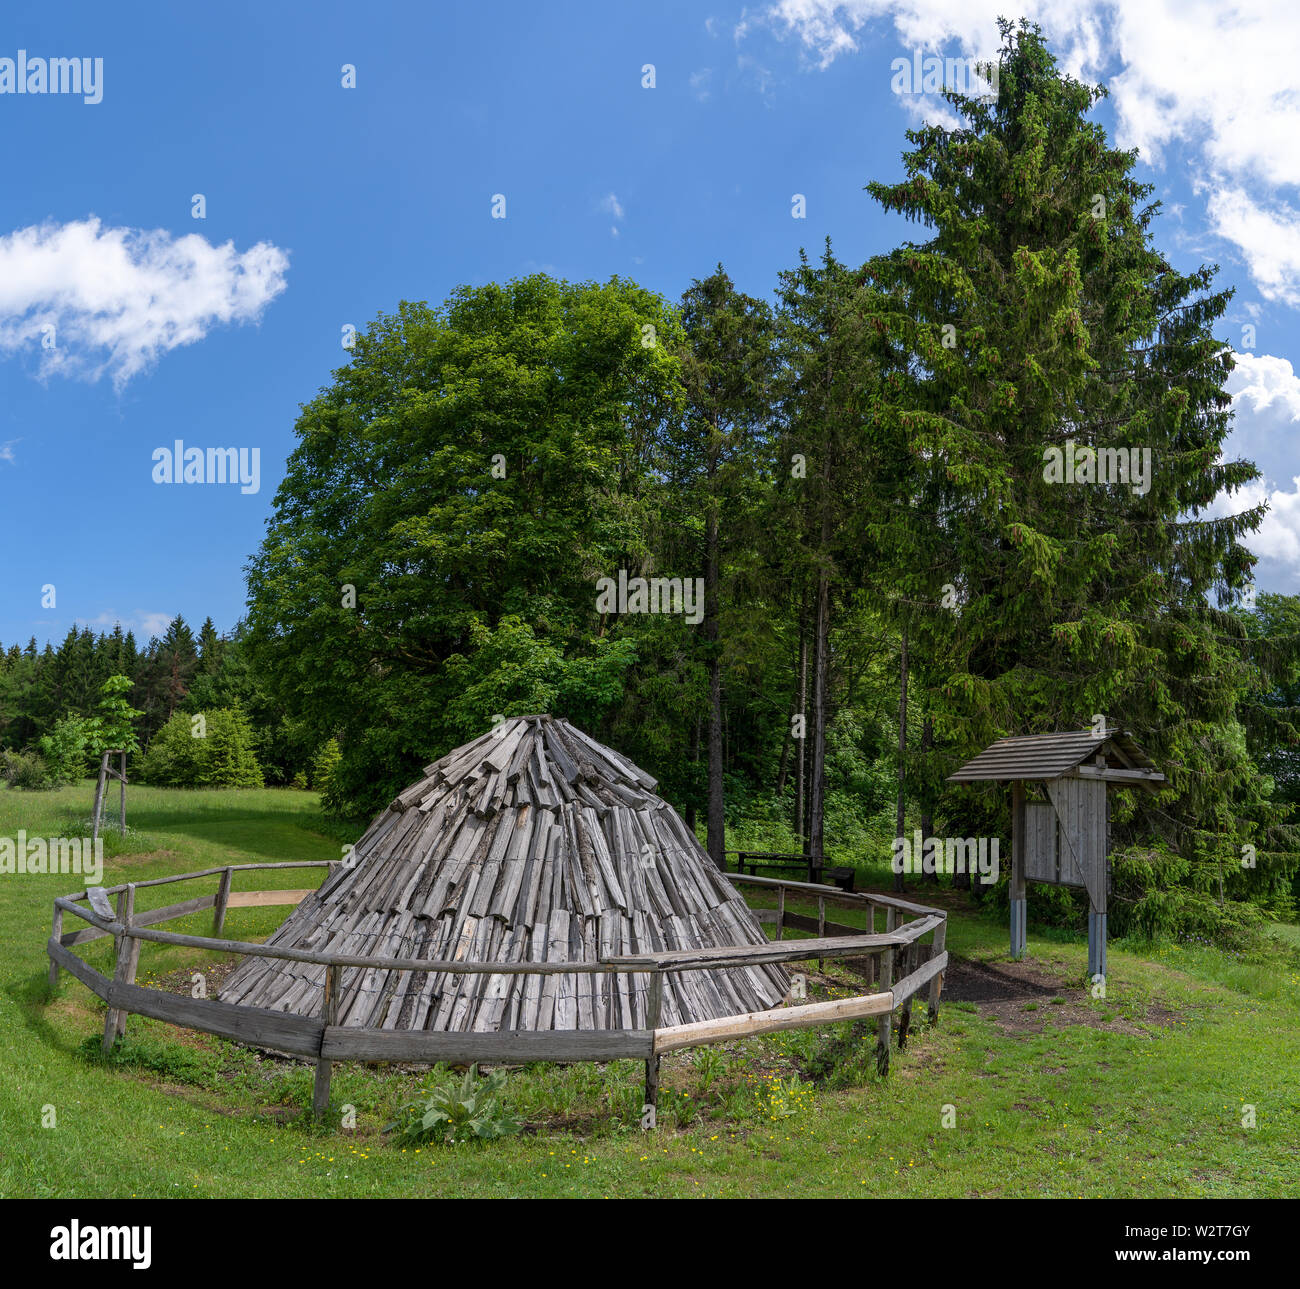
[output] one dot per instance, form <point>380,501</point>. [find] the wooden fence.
<point>894,951</point>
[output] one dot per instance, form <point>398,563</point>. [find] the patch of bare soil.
<point>1025,997</point>
<point>181,980</point>
<point>135,861</point>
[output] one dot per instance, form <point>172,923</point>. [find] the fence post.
<point>780,911</point>
<point>910,959</point>
<point>99,798</point>
<point>654,1005</point>
<point>320,1097</point>
<point>121,799</point>
<point>821,925</point>
<point>886,1022</point>
<point>936,983</point>
<point>223,899</point>
<point>128,952</point>
<point>56,934</point>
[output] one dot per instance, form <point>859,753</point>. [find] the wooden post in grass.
<point>780,911</point>
<point>128,954</point>
<point>910,962</point>
<point>121,798</point>
<point>821,924</point>
<point>99,798</point>
<point>320,1097</point>
<point>654,1005</point>
<point>223,900</point>
<point>936,984</point>
<point>56,934</point>
<point>1016,891</point>
<point>886,1021</point>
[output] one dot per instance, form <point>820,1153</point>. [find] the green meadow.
<point>1150,1091</point>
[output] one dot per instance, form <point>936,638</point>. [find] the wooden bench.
<point>812,867</point>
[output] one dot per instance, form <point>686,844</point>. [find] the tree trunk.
<point>695,758</point>
<point>821,675</point>
<point>716,816</point>
<point>801,796</point>
<point>899,830</point>
<point>927,819</point>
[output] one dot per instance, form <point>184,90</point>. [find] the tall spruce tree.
<point>1042,319</point>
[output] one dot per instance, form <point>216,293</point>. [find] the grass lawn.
<point>1027,1087</point>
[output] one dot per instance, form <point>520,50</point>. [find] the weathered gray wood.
<point>1129,777</point>
<point>278,1031</point>
<point>210,872</point>
<point>56,934</point>
<point>832,894</point>
<point>426,1046</point>
<point>537,835</point>
<point>1016,892</point>
<point>797,922</point>
<point>919,977</point>
<point>903,997</point>
<point>97,811</point>
<point>654,1010</point>
<point>121,800</point>
<point>780,913</point>
<point>253,950</point>
<point>221,901</point>
<point>885,1026</point>
<point>324,1066</point>
<point>1042,862</point>
<point>115,1020</point>
<point>746,955</point>
<point>936,982</point>
<point>95,981</point>
<point>147,918</point>
<point>99,902</point>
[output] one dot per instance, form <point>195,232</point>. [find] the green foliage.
<point>115,716</point>
<point>67,748</point>
<point>324,771</point>
<point>471,473</point>
<point>221,756</point>
<point>455,1113</point>
<point>27,770</point>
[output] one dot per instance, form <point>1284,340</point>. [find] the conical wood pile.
<point>531,844</point>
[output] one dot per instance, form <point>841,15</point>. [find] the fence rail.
<point>321,1038</point>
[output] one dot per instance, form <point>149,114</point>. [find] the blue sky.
<point>326,205</point>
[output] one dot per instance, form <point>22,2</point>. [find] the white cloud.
<point>1218,80</point>
<point>7,450</point>
<point>612,206</point>
<point>1265,393</point>
<point>699,83</point>
<point>1268,239</point>
<point>119,298</point>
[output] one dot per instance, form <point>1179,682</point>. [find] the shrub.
<point>455,1114</point>
<point>26,770</point>
<point>324,769</point>
<point>220,757</point>
<point>66,749</point>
